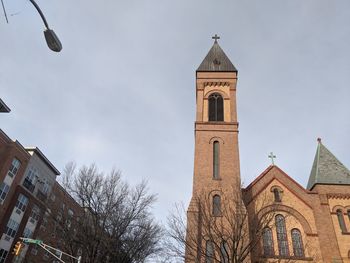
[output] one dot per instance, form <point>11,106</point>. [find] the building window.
<point>209,252</point>
<point>53,233</point>
<point>22,202</point>
<point>14,168</point>
<point>70,213</point>
<point>46,255</point>
<point>59,216</point>
<point>216,205</point>
<point>27,233</point>
<point>341,220</point>
<point>44,223</point>
<point>297,243</point>
<point>3,255</point>
<point>69,219</point>
<point>224,249</point>
<point>4,189</point>
<point>282,236</point>
<point>34,251</point>
<point>216,107</point>
<point>277,195</point>
<point>35,213</point>
<point>348,212</point>
<point>216,159</point>
<point>268,242</point>
<point>29,180</point>
<point>11,228</point>
<point>68,223</point>
<point>53,197</point>
<point>44,187</point>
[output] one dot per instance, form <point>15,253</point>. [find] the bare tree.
<point>217,231</point>
<point>230,230</point>
<point>114,224</point>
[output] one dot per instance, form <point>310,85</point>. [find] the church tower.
<point>216,161</point>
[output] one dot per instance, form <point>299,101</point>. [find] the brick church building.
<point>274,218</point>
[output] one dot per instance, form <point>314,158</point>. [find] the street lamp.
<point>51,38</point>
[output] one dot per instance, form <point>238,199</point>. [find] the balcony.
<point>28,184</point>
<point>41,196</point>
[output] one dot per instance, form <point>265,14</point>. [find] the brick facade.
<point>28,190</point>
<point>313,231</point>
<point>63,208</point>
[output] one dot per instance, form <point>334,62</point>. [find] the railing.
<point>28,184</point>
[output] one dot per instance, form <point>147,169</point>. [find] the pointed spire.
<point>216,59</point>
<point>4,107</point>
<point>327,169</point>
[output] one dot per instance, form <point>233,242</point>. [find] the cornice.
<point>216,83</point>
<point>338,196</point>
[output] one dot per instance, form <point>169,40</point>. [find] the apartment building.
<point>57,228</point>
<point>27,178</point>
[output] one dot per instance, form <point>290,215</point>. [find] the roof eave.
<point>345,184</point>
<point>206,71</point>
<point>4,107</point>
<point>44,159</point>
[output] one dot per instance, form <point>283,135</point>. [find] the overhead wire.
<point>3,8</point>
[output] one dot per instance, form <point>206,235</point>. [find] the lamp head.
<point>52,40</point>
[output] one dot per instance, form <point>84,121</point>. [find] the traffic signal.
<point>17,249</point>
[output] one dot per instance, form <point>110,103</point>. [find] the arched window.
<point>209,252</point>
<point>224,249</point>
<point>341,220</point>
<point>277,195</point>
<point>282,236</point>
<point>267,242</point>
<point>297,242</point>
<point>348,214</point>
<point>216,159</point>
<point>216,205</point>
<point>216,107</point>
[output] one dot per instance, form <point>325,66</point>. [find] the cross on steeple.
<point>216,37</point>
<point>272,157</point>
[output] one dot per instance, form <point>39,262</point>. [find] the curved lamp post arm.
<point>40,13</point>
<point>51,38</point>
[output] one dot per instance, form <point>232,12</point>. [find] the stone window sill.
<point>289,258</point>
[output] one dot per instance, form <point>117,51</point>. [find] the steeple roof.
<point>3,106</point>
<point>327,169</point>
<point>216,60</point>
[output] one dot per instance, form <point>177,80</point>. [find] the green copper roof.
<point>327,169</point>
<point>216,60</point>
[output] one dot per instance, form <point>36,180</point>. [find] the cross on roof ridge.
<point>272,156</point>
<point>216,37</point>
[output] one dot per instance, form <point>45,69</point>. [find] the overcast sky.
<point>122,91</point>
